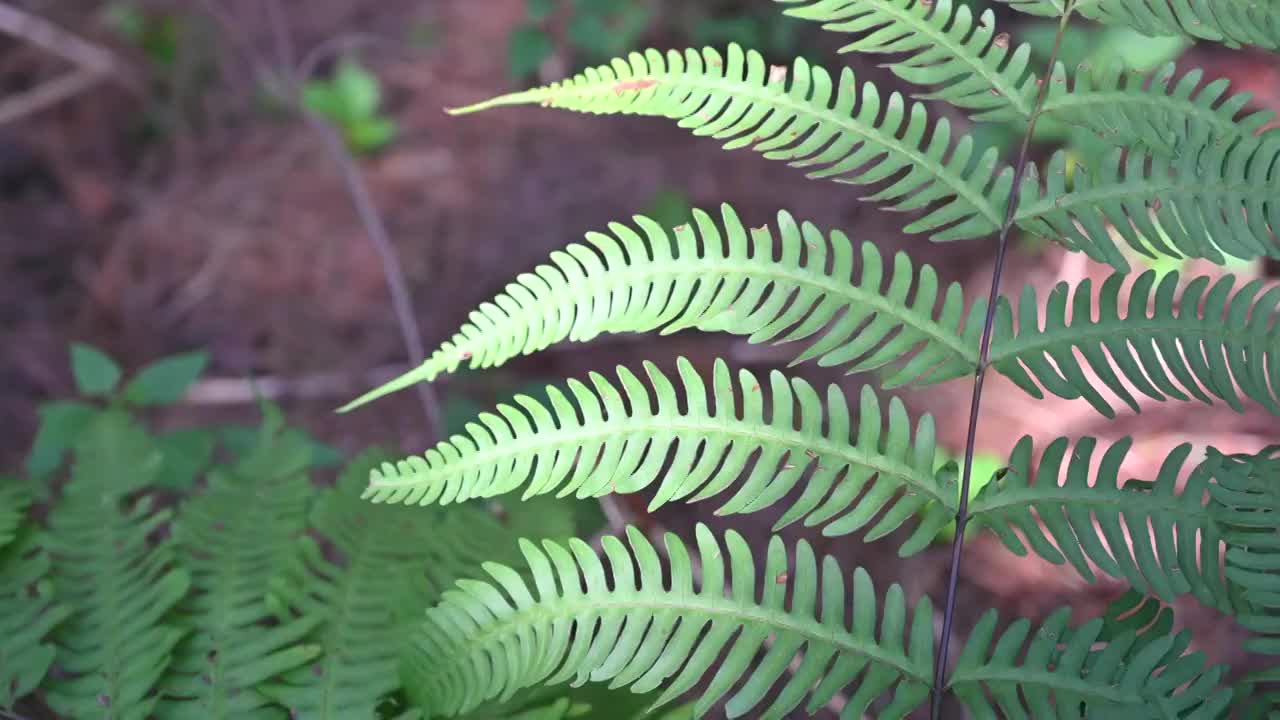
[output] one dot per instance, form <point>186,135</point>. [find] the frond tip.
<point>785,283</point>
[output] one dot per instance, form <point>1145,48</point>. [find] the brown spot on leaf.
<point>782,578</point>
<point>1001,40</point>
<point>777,73</point>
<point>638,84</point>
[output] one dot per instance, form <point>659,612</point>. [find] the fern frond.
<point>644,631</point>
<point>1206,342</point>
<point>785,284</point>
<point>14,501</point>
<point>945,46</point>
<point>234,538</point>
<point>1246,501</point>
<point>604,439</point>
<point>1233,22</point>
<point>117,645</point>
<point>394,562</point>
<point>967,63</point>
<point>28,614</point>
<point>1059,671</point>
<point>805,117</point>
<point>1159,540</point>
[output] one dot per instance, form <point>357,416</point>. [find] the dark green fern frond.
<point>1160,540</point>
<point>945,47</point>
<point>604,439</point>
<point>1246,501</point>
<point>234,538</point>
<point>644,631</point>
<point>121,586</point>
<point>847,132</point>
<point>1212,340</point>
<point>788,284</point>
<point>394,561</point>
<point>1059,671</point>
<point>28,613</point>
<point>14,501</point>
<point>1233,22</point>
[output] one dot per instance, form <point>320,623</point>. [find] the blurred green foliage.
<point>351,99</point>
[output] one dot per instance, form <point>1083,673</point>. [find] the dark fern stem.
<point>980,373</point>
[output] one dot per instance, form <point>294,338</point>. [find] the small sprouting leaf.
<point>95,373</point>
<point>371,134</point>
<point>61,423</point>
<point>358,90</point>
<point>166,380</point>
<point>319,97</point>
<point>527,50</point>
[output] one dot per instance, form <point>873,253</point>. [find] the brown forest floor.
<point>235,233</point>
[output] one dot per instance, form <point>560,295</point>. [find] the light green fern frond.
<point>1203,343</point>
<point>846,131</point>
<point>1159,540</point>
<point>118,644</point>
<point>234,538</point>
<point>644,631</point>
<point>783,285</point>
<point>28,613</point>
<point>1059,671</point>
<point>394,561</point>
<point>607,440</point>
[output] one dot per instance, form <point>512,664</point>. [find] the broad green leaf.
<point>528,48</point>
<point>95,373</point>
<point>61,422</point>
<point>166,380</point>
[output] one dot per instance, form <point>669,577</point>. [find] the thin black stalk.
<point>980,373</point>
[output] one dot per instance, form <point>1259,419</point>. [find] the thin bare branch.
<point>48,94</point>
<point>71,47</point>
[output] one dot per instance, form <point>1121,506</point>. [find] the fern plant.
<point>1190,175</point>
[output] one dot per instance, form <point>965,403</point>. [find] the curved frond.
<point>631,627</point>
<point>394,561</point>
<point>1161,541</point>
<point>117,645</point>
<point>1211,340</point>
<point>1246,501</point>
<point>28,613</point>
<point>786,284</point>
<point>1060,671</point>
<point>847,132</point>
<point>234,538</point>
<point>603,439</point>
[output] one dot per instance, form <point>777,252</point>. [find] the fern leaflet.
<point>28,614</point>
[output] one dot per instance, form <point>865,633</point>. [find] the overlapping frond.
<point>846,131</point>
<point>1233,22</point>
<point>234,538</point>
<point>1211,340</point>
<point>28,614</point>
<point>784,284</point>
<point>394,561</point>
<point>943,45</point>
<point>1056,671</point>
<point>632,627</point>
<point>1160,540</point>
<point>617,437</point>
<point>118,644</point>
<point>1209,198</point>
<point>1246,501</point>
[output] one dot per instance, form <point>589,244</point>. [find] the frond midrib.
<point>1116,188</point>
<point>1084,99</point>
<point>1042,340</point>
<point>642,273</point>
<point>712,606</point>
<point>1053,681</point>
<point>959,52</point>
<point>1149,504</point>
<point>822,446</point>
<point>976,199</point>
